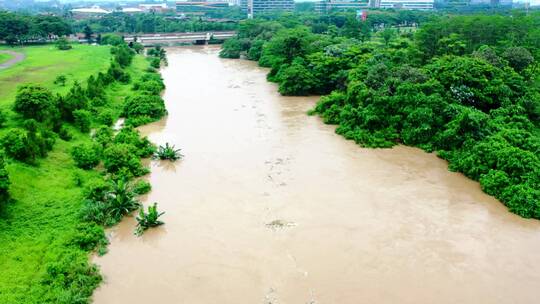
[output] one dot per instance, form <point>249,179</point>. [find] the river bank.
<point>271,206</point>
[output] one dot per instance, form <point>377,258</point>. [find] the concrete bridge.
<point>176,38</point>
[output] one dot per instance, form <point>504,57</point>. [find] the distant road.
<point>17,57</point>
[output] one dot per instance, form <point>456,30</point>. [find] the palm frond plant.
<point>148,220</point>
<point>121,199</point>
<point>168,152</point>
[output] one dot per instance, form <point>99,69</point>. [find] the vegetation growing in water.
<point>148,219</point>
<point>168,152</point>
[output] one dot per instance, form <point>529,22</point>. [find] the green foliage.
<point>144,105</point>
<point>231,49</point>
<point>103,135</point>
<point>295,79</point>
<point>108,201</point>
<point>117,73</point>
<point>89,236</point>
<point>158,23</point>
<point>106,117</point>
<point>129,135</point>
<point>82,119</point>
<point>86,155</point>
<point>63,44</point>
<point>27,144</point>
<point>60,80</point>
<point>65,133</point>
<point>148,219</point>
<point>75,99</point>
<point>168,152</point>
<point>123,158</point>
<point>151,87</point>
<point>518,58</point>
<point>142,187</point>
<point>3,117</point>
<point>123,55</point>
<point>70,279</point>
<point>4,181</point>
<point>20,28</point>
<point>155,63</point>
<point>111,39</point>
<point>34,101</point>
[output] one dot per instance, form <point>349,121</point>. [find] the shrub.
<point>142,187</point>
<point>5,182</point>
<point>144,105</point>
<point>106,117</point>
<point>3,117</point>
<point>148,220</point>
<point>60,80</point>
<point>138,121</point>
<point>121,199</point>
<point>111,39</point>
<point>107,201</point>
<point>123,55</point>
<point>89,236</point>
<point>86,155</point>
<point>296,79</point>
<point>26,145</point>
<point>155,63</point>
<point>104,135</point>
<point>17,145</point>
<point>63,44</point>
<point>123,157</point>
<point>71,276</point>
<point>231,49</point>
<point>168,152</point>
<point>518,58</point>
<point>129,135</point>
<point>116,72</point>
<point>34,101</point>
<point>151,87</point>
<point>82,120</point>
<point>75,99</point>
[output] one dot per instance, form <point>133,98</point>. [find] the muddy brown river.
<point>270,206</point>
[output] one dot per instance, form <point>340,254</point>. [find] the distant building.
<point>199,6</point>
<point>131,10</point>
<point>407,4</point>
<point>94,10</point>
<point>326,6</point>
<point>156,7</point>
<point>255,7</point>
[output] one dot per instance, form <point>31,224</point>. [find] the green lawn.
<point>36,228</point>
<point>4,57</point>
<point>44,63</point>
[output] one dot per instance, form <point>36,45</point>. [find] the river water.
<point>270,206</point>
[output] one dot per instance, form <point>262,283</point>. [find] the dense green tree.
<point>34,101</point>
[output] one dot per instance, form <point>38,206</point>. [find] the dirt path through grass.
<point>17,57</point>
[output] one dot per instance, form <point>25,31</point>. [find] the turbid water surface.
<point>271,206</point>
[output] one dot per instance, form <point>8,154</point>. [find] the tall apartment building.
<point>407,4</point>
<point>327,6</point>
<point>255,7</point>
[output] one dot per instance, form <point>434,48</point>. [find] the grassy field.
<point>4,57</point>
<point>37,226</point>
<point>44,63</point>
